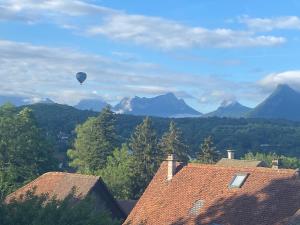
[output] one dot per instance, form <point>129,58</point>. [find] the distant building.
<point>219,195</point>
<point>231,161</point>
<point>59,185</point>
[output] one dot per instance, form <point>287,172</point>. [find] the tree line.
<point>243,135</point>
<point>128,169</point>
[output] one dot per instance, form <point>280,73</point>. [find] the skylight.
<point>238,180</point>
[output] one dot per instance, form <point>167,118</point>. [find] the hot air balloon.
<point>81,76</point>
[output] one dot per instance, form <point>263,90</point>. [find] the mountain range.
<point>91,104</point>
<point>46,101</point>
<point>15,100</point>
<point>283,103</point>
<point>232,109</point>
<point>19,101</point>
<point>167,105</point>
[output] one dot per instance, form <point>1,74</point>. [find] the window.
<point>195,210</point>
<point>238,180</point>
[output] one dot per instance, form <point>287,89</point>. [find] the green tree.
<point>266,157</point>
<point>172,142</point>
<point>208,153</point>
<point>42,210</point>
<point>118,173</point>
<point>24,151</point>
<point>146,155</point>
<point>96,139</point>
<point>285,161</point>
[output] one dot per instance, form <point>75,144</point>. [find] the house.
<point>59,185</point>
<point>231,161</point>
<point>218,195</point>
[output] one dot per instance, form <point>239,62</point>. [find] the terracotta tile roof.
<point>58,184</point>
<point>239,163</point>
<point>268,197</point>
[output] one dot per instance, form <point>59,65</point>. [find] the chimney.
<point>275,164</point>
<point>171,159</point>
<point>230,154</point>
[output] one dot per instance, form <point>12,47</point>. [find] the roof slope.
<point>267,197</point>
<point>58,184</point>
<point>239,163</point>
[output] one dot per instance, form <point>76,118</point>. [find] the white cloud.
<point>269,24</point>
<point>37,9</point>
<point>117,25</point>
<point>43,72</point>
<point>291,78</point>
<point>49,72</point>
<point>166,34</point>
<point>217,96</point>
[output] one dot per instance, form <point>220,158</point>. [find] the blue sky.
<point>204,51</point>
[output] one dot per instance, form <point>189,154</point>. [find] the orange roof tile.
<point>267,197</point>
<point>58,184</point>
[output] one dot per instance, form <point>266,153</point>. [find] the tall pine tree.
<point>96,139</point>
<point>172,142</point>
<point>146,155</point>
<point>208,153</point>
<point>117,174</point>
<point>25,152</point>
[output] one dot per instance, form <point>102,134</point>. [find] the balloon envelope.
<point>81,76</point>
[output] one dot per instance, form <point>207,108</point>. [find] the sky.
<point>204,51</point>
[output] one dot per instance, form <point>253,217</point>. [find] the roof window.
<point>238,180</point>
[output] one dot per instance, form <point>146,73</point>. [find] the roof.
<point>127,205</point>
<point>58,184</point>
<point>267,197</point>
<point>240,163</point>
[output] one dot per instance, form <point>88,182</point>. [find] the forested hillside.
<point>59,122</point>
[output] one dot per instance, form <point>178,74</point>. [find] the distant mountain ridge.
<point>231,109</point>
<point>283,103</point>
<point>46,101</point>
<point>15,100</point>
<point>167,105</point>
<point>91,104</point>
<point>20,101</point>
